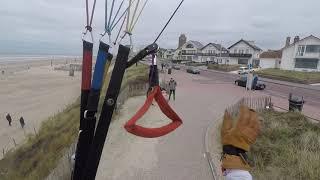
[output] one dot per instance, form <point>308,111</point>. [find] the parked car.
<point>176,67</point>
<point>243,70</point>
<point>193,70</point>
<point>242,81</point>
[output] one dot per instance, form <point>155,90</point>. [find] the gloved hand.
<point>238,138</point>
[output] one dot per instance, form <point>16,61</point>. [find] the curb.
<point>207,140</point>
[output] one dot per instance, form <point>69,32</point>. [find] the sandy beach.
<point>34,90</point>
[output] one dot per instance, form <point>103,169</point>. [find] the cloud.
<point>45,26</point>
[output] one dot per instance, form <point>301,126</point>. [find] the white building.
<point>302,55</point>
<point>244,52</point>
<point>168,53</point>
<point>190,51</point>
<point>270,59</point>
<point>213,52</point>
<point>194,51</point>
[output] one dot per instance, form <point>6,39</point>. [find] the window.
<point>256,63</point>
<point>195,58</point>
<point>235,51</point>
<point>189,46</point>
<point>300,51</point>
<point>211,51</point>
<point>247,51</point>
<point>243,61</point>
<point>241,51</point>
<point>312,48</point>
<point>306,63</point>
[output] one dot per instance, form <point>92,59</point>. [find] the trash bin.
<point>169,71</point>
<point>295,103</point>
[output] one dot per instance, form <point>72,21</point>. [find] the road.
<point>278,90</point>
<point>311,95</point>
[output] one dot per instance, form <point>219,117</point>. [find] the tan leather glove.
<point>239,137</point>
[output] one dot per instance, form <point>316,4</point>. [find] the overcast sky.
<point>55,26</point>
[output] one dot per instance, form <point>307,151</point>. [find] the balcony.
<point>209,54</point>
<point>308,55</point>
<point>240,55</point>
<point>188,53</point>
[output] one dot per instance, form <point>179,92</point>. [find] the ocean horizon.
<point>28,57</point>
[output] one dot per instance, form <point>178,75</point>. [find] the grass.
<point>288,148</point>
<point>292,76</point>
<point>224,67</point>
<point>40,154</point>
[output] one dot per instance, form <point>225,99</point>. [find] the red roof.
<point>272,54</point>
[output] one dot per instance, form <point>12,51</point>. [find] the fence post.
<point>35,132</point>
<point>15,144</point>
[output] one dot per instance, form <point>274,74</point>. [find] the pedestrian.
<point>22,123</point>
<point>255,81</point>
<point>162,65</point>
<point>9,119</point>
<point>249,80</point>
<point>172,88</point>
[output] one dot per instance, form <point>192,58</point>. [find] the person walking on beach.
<point>9,119</point>
<point>22,123</point>
<point>172,88</point>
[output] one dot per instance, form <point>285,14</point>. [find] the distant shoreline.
<point>25,58</point>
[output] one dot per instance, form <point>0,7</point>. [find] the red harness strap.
<point>137,130</point>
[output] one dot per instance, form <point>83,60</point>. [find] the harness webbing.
<point>110,100</point>
<point>137,130</point>
<point>100,135</point>
<point>88,113</point>
<point>156,94</point>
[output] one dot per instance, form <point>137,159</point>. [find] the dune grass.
<point>224,67</point>
<point>40,154</point>
<point>288,148</point>
<point>291,76</point>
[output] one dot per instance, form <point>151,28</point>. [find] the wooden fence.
<point>256,103</point>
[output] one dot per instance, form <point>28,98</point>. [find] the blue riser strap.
<point>99,67</point>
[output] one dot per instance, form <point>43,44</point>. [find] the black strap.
<point>153,76</point>
<point>152,48</point>
<point>231,150</point>
<point>88,110</point>
<point>106,115</point>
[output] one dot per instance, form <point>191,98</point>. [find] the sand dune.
<point>35,91</point>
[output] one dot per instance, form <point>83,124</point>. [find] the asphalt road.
<point>310,94</point>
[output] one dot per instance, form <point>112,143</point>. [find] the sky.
<point>56,26</point>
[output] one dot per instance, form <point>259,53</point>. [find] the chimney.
<point>288,41</point>
<point>296,39</point>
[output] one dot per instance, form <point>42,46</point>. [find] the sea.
<point>20,58</point>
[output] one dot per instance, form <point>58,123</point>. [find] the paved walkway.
<point>179,155</point>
